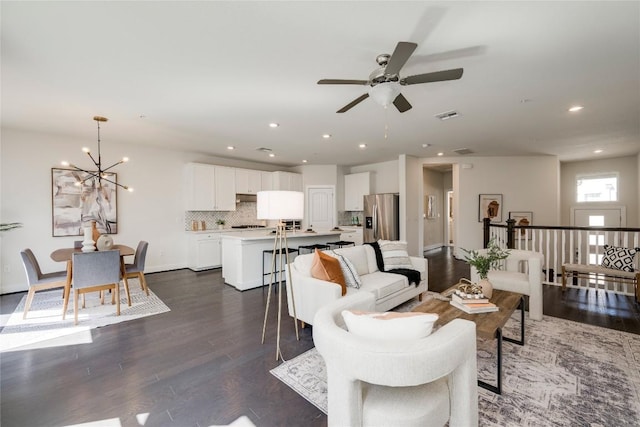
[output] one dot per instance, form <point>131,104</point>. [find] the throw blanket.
<point>412,275</point>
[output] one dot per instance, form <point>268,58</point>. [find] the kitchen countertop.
<point>229,230</point>
<point>264,235</point>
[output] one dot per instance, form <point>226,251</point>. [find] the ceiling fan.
<point>385,82</point>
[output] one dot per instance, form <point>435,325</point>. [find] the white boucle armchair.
<point>522,273</point>
<point>376,382</point>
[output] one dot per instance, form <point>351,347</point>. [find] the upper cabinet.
<point>248,181</point>
<point>356,186</point>
<point>266,181</point>
<point>287,181</point>
<point>210,188</point>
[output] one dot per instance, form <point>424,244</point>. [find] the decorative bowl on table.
<point>104,243</point>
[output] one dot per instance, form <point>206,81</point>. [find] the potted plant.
<point>220,223</point>
<point>486,260</point>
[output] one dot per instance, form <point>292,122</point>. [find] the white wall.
<point>433,184</point>
<point>385,176</point>
<point>154,212</point>
<point>628,185</point>
<point>526,184</point>
<point>411,209</point>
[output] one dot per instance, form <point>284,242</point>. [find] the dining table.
<point>66,255</point>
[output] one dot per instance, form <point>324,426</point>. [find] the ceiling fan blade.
<point>401,103</point>
<point>353,103</point>
<point>399,57</point>
<point>342,82</point>
<point>437,76</point>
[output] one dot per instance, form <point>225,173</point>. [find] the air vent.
<point>264,150</point>
<point>447,115</point>
<point>463,151</point>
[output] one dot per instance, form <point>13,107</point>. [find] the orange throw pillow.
<point>327,268</point>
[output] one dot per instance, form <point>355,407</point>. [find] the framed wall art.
<point>75,206</point>
<point>430,206</point>
<point>490,206</point>
<point>522,219</point>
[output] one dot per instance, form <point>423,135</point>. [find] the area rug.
<point>566,374</point>
<point>44,326</point>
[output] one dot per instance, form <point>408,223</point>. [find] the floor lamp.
<point>280,205</point>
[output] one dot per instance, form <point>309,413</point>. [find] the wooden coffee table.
<point>488,325</point>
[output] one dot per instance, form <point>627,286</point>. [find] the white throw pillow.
<point>394,254</point>
<point>389,325</point>
<point>351,276</point>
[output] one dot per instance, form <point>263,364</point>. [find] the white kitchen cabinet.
<point>266,181</point>
<point>352,235</point>
<point>356,186</point>
<point>248,181</point>
<point>210,188</point>
<point>205,251</point>
<point>287,181</point>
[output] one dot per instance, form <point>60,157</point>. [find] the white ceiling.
<point>199,76</point>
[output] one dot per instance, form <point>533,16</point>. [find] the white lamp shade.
<point>385,93</point>
<point>280,205</point>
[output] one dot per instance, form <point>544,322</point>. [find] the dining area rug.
<point>567,373</point>
<point>44,326</point>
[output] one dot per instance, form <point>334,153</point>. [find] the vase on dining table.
<point>88,245</point>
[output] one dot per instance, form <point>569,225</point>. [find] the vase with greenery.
<point>220,223</point>
<point>484,261</point>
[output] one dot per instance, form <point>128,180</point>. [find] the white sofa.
<point>389,289</point>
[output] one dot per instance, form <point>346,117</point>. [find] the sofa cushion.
<point>619,258</point>
<point>358,257</point>
<point>351,276</point>
<point>394,254</point>
<point>382,284</point>
<point>327,268</point>
<point>389,325</point>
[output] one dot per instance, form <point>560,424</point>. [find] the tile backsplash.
<point>245,214</point>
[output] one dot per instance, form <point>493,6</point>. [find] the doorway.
<point>614,216</point>
<point>321,207</point>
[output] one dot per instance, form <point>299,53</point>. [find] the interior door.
<point>320,206</point>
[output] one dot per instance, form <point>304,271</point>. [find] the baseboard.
<point>433,246</point>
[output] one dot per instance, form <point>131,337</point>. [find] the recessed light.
<point>231,147</point>
<point>597,151</point>
<point>273,125</point>
<point>304,161</point>
<point>271,155</point>
<point>576,108</point>
<point>440,154</point>
<point>362,145</point>
<point>326,136</point>
<point>426,145</point>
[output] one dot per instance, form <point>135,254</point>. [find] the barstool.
<point>279,268</point>
<point>312,248</point>
<point>341,243</point>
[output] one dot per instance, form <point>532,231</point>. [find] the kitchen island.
<point>242,254</point>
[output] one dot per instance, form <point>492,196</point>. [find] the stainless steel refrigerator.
<point>381,217</point>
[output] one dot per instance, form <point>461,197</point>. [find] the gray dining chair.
<point>136,270</point>
<point>96,271</point>
<point>38,281</point>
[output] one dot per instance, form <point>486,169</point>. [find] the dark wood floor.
<point>202,363</point>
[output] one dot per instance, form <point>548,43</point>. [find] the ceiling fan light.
<point>384,93</point>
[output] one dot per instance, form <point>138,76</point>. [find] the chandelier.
<point>101,174</point>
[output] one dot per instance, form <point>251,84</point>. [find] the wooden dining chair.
<point>93,272</point>
<point>38,281</point>
<point>136,270</point>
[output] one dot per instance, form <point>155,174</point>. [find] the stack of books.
<point>472,305</point>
